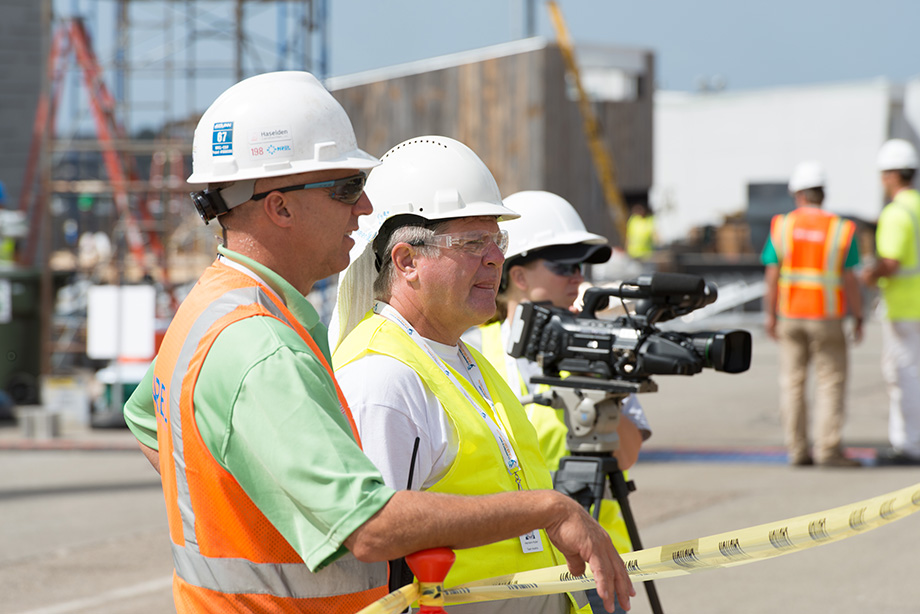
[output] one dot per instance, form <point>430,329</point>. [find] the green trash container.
<point>20,334</point>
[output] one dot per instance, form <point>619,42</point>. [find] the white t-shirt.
<point>391,407</point>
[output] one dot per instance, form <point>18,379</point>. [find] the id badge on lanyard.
<point>530,542</point>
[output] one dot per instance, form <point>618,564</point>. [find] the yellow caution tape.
<point>722,550</point>
<point>397,601</point>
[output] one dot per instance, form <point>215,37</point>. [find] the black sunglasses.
<point>563,270</point>
<point>347,190</point>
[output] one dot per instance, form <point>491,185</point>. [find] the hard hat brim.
<point>579,253</point>
<point>358,160</point>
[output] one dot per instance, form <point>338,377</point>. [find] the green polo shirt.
<point>896,239</point>
<point>268,411</point>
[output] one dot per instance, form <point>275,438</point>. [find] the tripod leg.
<point>620,491</point>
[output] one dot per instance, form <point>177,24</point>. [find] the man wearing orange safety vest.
<point>809,258</point>
<point>272,505</point>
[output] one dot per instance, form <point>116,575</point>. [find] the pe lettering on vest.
<point>531,542</point>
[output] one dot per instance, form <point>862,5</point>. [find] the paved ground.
<point>82,526</point>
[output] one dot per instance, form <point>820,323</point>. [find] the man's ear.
<point>405,260</point>
<point>275,206</point>
<point>517,277</point>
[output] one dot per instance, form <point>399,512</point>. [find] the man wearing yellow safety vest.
<point>897,273</point>
<point>640,232</point>
<point>271,504</point>
<point>433,414</point>
<point>548,247</point>
<point>809,258</point>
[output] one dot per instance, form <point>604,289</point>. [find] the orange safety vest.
<point>228,556</point>
<point>811,246</point>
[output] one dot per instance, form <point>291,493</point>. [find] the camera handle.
<point>591,417</point>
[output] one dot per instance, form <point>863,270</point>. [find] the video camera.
<point>606,361</point>
<point>620,355</point>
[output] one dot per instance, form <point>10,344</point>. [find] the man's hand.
<point>857,330</point>
<point>883,267</point>
<point>580,539</point>
<point>770,326</point>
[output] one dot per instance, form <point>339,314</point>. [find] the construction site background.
<point>105,138</point>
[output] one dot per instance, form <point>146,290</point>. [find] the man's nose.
<point>363,206</point>
<point>493,255</point>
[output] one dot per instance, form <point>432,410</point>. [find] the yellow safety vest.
<point>551,431</point>
<point>478,468</point>
<point>901,291</point>
<point>640,236</point>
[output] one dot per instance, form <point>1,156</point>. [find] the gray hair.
<point>414,234</point>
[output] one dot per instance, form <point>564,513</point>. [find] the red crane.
<point>141,236</point>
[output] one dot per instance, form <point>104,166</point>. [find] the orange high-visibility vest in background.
<point>811,247</point>
<point>228,555</point>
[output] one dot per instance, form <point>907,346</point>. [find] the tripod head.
<point>591,409</point>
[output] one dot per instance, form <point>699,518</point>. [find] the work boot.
<point>839,460</point>
<point>896,457</point>
<point>801,460</point>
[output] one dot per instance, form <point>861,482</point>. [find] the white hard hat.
<point>808,174</point>
<point>273,124</point>
<point>551,224</point>
<point>429,177</point>
<point>897,154</point>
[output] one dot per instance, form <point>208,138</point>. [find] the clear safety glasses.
<point>474,241</point>
<point>347,190</point>
<point>563,270</point>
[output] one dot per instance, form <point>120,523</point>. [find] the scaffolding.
<point>125,85</point>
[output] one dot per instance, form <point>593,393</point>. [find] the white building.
<point>713,149</point>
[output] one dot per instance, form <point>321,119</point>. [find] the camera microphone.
<point>670,284</point>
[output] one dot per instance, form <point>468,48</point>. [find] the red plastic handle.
<point>431,567</point>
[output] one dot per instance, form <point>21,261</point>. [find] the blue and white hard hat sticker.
<point>222,139</point>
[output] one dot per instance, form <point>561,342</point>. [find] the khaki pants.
<point>820,343</point>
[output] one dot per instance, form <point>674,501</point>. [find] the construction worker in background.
<point>809,258</point>
<point>548,248</point>
<point>434,415</point>
<point>640,232</point>
<point>272,506</point>
<point>897,273</point>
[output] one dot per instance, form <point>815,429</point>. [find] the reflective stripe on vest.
<point>290,580</point>
<point>810,282</point>
<point>224,296</point>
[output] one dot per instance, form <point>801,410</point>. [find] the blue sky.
<point>741,43</point>
<point>748,44</point>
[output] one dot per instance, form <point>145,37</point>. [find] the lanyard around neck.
<point>509,457</point>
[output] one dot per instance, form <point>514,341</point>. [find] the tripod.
<point>592,414</point>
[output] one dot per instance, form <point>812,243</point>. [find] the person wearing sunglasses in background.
<point>548,250</point>
<point>433,414</point>
<point>272,506</point>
